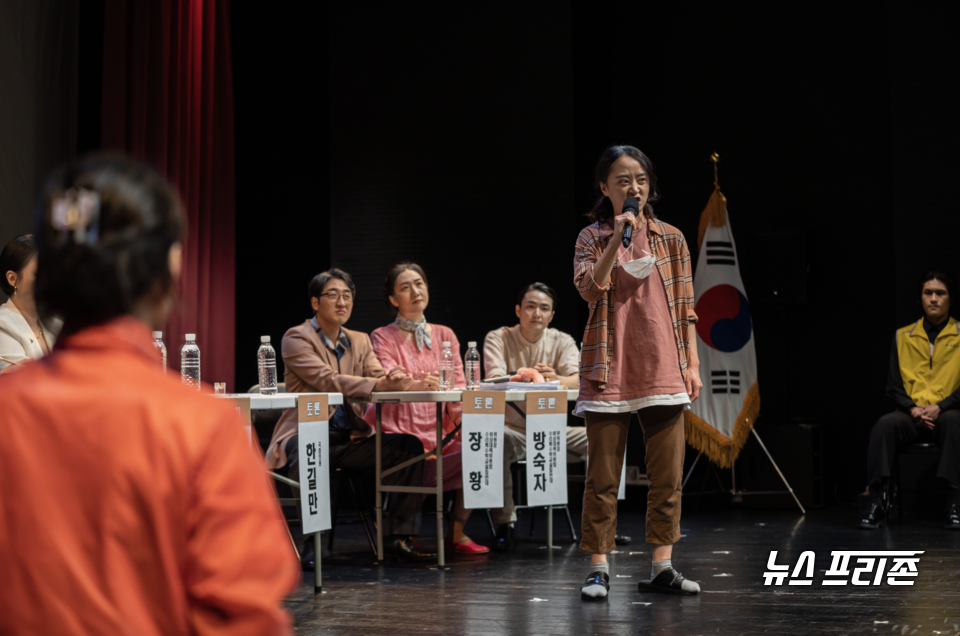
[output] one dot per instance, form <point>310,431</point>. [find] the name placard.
<point>313,437</point>
<point>482,448</point>
<point>547,448</point>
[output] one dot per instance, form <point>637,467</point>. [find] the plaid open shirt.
<point>673,262</point>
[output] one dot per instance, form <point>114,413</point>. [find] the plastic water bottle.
<point>160,347</point>
<point>446,368</point>
<point>190,362</point>
<point>267,358</point>
<point>471,366</point>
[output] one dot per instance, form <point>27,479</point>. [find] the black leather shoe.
<point>953,517</point>
<point>622,539</point>
<point>875,518</point>
<point>596,578</point>
<point>667,582</point>
<point>403,548</point>
<point>504,539</point>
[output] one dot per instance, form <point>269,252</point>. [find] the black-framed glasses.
<point>334,296</point>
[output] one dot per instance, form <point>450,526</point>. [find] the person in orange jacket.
<point>130,503</point>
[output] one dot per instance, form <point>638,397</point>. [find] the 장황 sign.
<point>482,448</point>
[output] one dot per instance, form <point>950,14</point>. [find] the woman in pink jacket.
<point>414,344</point>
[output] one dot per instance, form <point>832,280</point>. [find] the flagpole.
<point>715,214</point>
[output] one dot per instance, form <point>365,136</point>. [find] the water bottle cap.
<point>191,337</point>
<point>158,334</point>
<point>446,344</point>
<point>264,338</point>
<point>472,344</point>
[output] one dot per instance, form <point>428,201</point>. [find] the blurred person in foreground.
<point>130,504</point>
<point>23,336</point>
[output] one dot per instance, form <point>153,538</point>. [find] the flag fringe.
<point>719,448</point>
<point>715,213</point>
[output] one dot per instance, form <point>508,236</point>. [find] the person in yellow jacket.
<point>924,384</point>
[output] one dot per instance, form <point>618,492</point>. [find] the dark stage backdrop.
<point>283,198</point>
<point>38,104</point>
<point>451,145</point>
<point>465,139</point>
<point>919,181</point>
<point>799,112</point>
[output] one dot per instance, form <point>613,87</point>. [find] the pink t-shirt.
<point>393,349</point>
<point>644,359</point>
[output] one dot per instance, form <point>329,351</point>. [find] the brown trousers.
<point>607,440</point>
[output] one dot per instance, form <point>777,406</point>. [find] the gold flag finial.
<point>716,211</point>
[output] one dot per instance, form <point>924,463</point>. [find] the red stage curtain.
<point>168,100</point>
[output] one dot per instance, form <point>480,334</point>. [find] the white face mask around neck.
<point>638,268</point>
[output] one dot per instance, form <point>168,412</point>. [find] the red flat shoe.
<point>470,547</point>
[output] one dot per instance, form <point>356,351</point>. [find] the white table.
<point>259,402</point>
<point>379,398</point>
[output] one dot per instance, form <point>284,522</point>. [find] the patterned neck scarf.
<point>419,330</point>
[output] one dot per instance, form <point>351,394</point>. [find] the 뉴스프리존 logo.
<point>902,568</point>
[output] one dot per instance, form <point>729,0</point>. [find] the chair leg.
<point>573,531</point>
<point>363,517</point>
<point>493,529</point>
<point>286,526</point>
<point>333,513</point>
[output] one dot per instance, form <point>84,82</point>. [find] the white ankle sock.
<point>596,591</point>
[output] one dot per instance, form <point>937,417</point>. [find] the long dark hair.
<point>947,280</point>
<point>14,257</point>
<point>391,281</point>
<point>105,227</point>
<point>603,209</point>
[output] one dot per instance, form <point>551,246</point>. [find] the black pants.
<point>896,429</point>
<point>404,514</point>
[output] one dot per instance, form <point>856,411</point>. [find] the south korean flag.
<point>723,416</point>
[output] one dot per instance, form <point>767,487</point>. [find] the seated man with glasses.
<point>321,356</point>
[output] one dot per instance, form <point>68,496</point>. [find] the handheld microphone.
<point>632,206</point>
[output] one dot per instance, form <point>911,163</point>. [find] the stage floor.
<point>536,591</point>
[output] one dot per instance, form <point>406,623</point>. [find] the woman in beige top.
<point>22,334</point>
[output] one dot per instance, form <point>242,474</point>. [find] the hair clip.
<point>77,211</point>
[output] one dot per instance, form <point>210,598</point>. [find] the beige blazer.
<point>311,367</point>
<point>17,341</point>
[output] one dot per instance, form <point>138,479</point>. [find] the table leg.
<point>317,548</point>
<point>440,484</point>
<point>379,505</point>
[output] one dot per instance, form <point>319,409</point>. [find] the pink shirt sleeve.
<point>386,350</point>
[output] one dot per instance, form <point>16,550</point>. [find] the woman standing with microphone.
<point>639,355</point>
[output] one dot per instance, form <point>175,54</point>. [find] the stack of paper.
<point>521,386</point>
